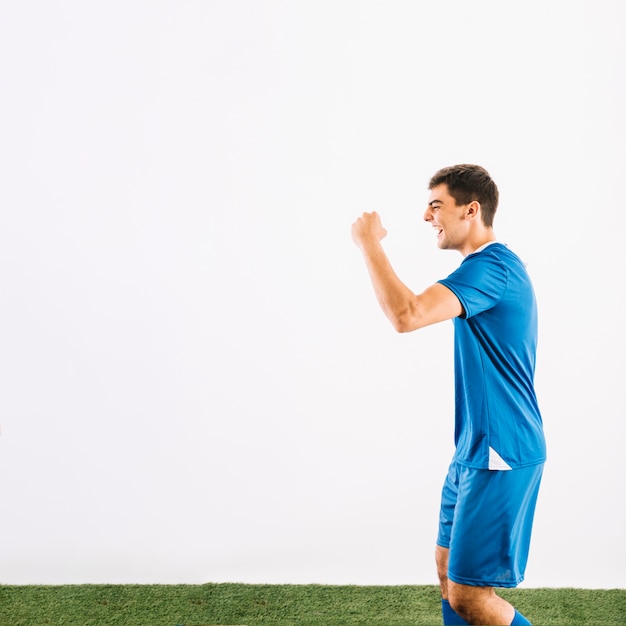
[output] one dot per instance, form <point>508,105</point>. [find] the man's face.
<point>448,219</point>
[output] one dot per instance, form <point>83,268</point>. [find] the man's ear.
<point>473,210</point>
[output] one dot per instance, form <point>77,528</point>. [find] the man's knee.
<point>458,600</point>
<point>467,600</point>
<point>479,605</point>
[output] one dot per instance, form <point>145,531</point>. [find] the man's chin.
<point>445,245</point>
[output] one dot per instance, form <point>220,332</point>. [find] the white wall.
<point>196,382</point>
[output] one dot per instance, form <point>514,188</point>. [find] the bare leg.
<point>480,605</point>
<point>441,558</point>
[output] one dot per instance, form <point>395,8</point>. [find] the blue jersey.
<point>497,420</point>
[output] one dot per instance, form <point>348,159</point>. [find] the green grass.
<point>283,605</point>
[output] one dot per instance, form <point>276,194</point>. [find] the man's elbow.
<point>405,322</point>
<point>403,328</point>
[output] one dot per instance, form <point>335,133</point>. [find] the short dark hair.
<point>467,183</point>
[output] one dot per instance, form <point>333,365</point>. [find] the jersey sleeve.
<point>479,283</point>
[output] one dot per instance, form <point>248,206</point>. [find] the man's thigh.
<point>486,521</point>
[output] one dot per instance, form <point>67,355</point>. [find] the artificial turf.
<point>283,605</point>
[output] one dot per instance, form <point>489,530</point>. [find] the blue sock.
<point>450,616</point>
<point>520,620</point>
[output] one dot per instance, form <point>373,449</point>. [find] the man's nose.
<point>428,215</point>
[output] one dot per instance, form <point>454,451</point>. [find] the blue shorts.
<point>486,520</point>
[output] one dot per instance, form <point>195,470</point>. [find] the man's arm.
<point>405,310</point>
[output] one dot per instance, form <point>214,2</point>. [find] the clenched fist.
<point>367,229</point>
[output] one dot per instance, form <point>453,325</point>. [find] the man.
<point>489,494</point>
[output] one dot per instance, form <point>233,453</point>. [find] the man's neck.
<point>488,237</point>
<point>480,248</point>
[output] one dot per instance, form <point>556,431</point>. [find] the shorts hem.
<point>471,582</point>
<point>482,466</point>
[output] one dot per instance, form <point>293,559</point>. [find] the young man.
<point>489,495</point>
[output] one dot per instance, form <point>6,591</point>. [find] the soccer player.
<point>489,495</point>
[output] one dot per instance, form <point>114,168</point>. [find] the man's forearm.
<point>397,301</point>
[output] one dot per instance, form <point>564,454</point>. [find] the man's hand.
<point>367,229</point>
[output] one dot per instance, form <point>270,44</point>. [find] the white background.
<point>196,383</point>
